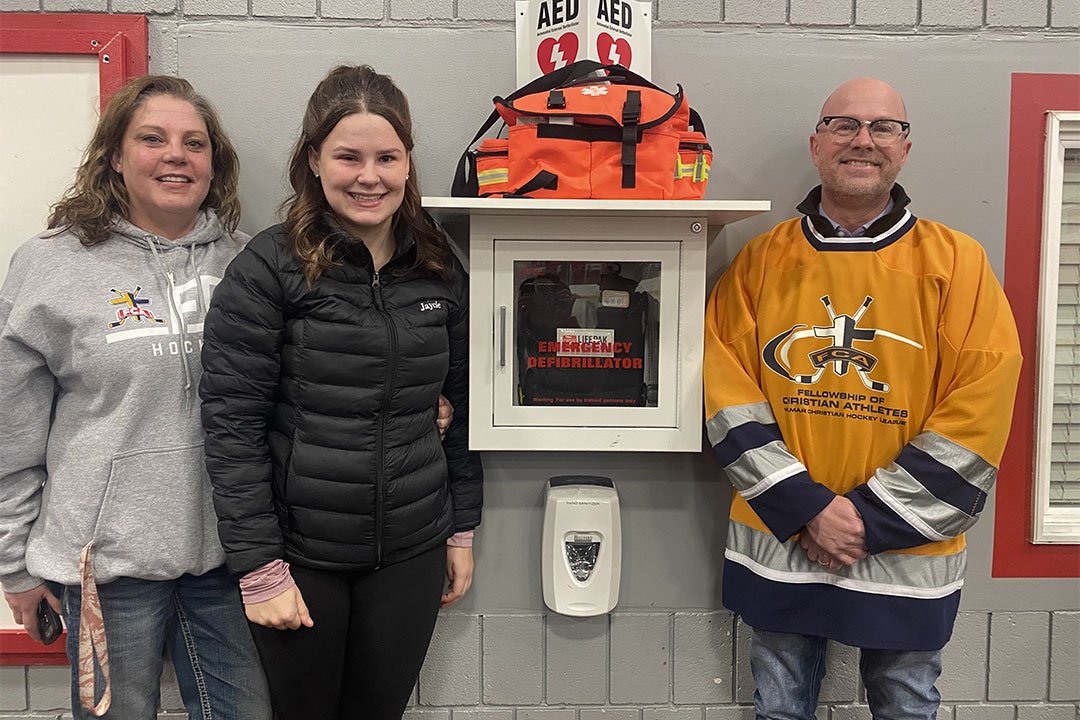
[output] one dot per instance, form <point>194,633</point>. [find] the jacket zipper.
<point>380,440</point>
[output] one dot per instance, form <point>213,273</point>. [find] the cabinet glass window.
<point>587,333</point>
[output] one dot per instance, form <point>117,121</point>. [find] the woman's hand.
<point>24,607</point>
<point>444,417</point>
<point>459,571</point>
<point>286,610</point>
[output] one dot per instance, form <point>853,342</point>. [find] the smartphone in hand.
<point>48,622</point>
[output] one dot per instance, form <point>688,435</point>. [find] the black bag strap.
<point>465,183</point>
<point>696,123</point>
<point>631,114</point>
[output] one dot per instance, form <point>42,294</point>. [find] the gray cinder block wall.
<point>757,70</point>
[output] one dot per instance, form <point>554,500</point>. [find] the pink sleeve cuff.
<point>462,539</point>
<point>266,582</point>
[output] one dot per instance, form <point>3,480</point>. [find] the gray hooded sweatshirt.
<point>100,437</point>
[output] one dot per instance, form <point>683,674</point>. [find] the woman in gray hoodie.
<point>105,506</point>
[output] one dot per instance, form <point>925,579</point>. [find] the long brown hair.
<point>347,90</point>
<point>88,206</point>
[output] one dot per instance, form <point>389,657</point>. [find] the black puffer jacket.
<point>319,405</point>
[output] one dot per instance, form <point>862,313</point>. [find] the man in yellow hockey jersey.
<point>860,369</point>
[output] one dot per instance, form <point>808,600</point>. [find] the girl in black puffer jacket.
<point>327,347</point>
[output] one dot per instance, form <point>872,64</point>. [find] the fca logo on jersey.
<point>842,354</point>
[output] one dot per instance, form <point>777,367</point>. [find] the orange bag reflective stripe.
<point>576,135</point>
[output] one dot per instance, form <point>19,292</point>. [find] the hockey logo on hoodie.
<point>133,307</point>
<point>138,315</point>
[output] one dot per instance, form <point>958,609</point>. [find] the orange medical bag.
<point>573,134</point>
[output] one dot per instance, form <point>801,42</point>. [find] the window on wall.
<point>1056,507</point>
<point>1037,516</point>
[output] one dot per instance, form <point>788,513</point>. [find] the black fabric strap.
<point>542,180</point>
<point>631,114</point>
<point>696,123</point>
<point>584,133</point>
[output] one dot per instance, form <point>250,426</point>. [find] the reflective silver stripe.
<point>757,470</point>
<point>962,461</point>
<point>771,479</point>
<point>730,417</point>
<point>908,498</point>
<point>914,576</point>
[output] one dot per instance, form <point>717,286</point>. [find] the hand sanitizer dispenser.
<point>582,551</point>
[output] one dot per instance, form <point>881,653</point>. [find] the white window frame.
<point>1058,525</point>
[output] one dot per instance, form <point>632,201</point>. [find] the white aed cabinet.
<point>587,319</point>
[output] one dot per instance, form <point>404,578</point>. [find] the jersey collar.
<point>881,233</point>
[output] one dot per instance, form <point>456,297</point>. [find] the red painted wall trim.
<point>16,648</point>
<point>118,41</point>
<point>1014,553</point>
<point>120,44</point>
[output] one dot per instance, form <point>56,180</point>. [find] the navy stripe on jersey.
<point>854,618</point>
<point>865,243</point>
<point>885,530</point>
<point>747,436</point>
<point>787,506</point>
<point>942,481</point>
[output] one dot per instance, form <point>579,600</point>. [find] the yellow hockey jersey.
<point>880,367</point>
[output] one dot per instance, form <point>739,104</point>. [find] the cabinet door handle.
<point>502,336</point>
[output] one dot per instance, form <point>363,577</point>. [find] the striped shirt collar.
<point>843,232</point>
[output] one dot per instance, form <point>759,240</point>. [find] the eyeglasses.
<point>843,129</point>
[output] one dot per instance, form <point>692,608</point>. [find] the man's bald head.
<point>865,90</point>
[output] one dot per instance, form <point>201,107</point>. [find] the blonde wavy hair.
<point>98,193</point>
<point>347,90</point>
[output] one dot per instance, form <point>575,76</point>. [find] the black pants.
<point>362,657</point>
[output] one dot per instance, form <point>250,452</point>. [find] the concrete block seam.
<point>671,657</point>
<point>182,14</point>
<point>607,678</point>
<point>479,649</point>
<point>543,655</point>
<point>988,619</point>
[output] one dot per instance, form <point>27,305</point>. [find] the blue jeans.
<point>788,670</point>
<point>200,620</point>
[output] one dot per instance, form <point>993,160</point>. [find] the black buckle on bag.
<point>556,100</point>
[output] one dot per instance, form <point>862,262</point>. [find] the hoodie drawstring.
<point>205,306</point>
<point>178,318</point>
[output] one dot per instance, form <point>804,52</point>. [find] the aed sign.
<point>555,33</point>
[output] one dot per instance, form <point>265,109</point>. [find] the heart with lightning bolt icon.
<point>612,51</point>
<point>554,53</point>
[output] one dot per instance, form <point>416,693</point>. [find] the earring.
<point>316,175</point>
<point>406,176</point>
